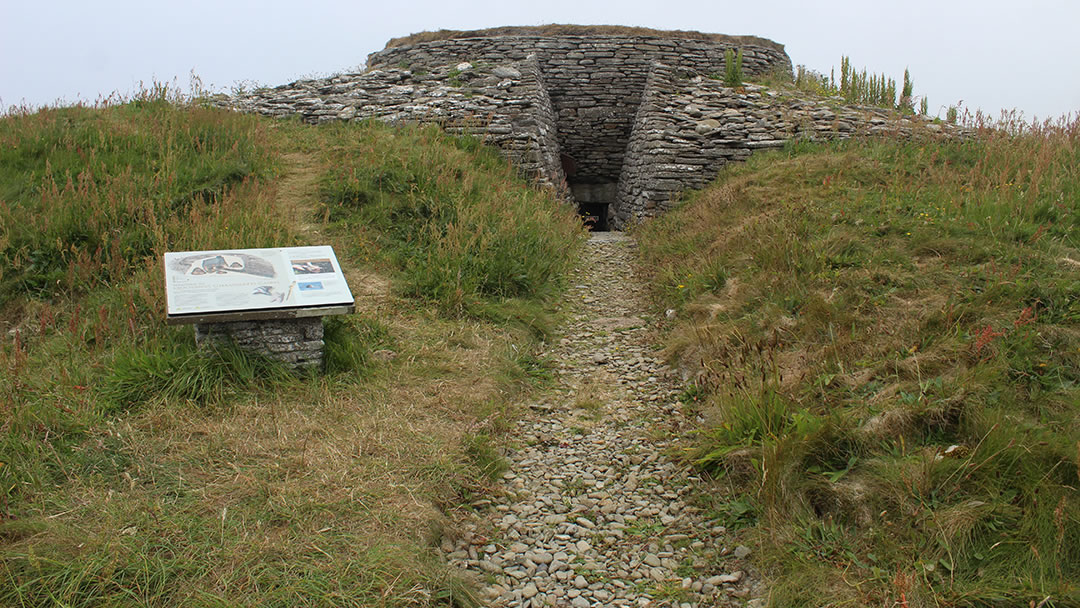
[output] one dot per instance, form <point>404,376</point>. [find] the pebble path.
<point>592,512</point>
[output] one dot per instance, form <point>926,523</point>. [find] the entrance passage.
<point>594,215</point>
<point>594,203</point>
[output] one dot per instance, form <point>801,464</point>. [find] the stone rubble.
<point>593,511</point>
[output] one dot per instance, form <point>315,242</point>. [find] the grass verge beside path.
<point>135,471</point>
<point>451,214</point>
<point>884,343</point>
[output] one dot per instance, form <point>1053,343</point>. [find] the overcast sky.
<point>990,54</point>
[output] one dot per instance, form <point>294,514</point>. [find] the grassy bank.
<point>136,471</point>
<point>884,342</point>
<point>468,241</point>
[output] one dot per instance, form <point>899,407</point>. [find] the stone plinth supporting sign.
<point>297,343</point>
<point>267,301</point>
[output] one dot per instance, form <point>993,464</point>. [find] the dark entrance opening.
<point>594,203</point>
<point>594,215</point>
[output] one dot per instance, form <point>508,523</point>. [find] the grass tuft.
<point>349,342</point>
<point>173,368</point>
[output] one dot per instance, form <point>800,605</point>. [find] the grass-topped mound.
<point>558,29</point>
<point>884,341</point>
<point>136,470</point>
<point>88,196</point>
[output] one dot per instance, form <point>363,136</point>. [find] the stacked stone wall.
<point>505,105</point>
<point>687,128</point>
<point>595,82</point>
<point>298,343</point>
<point>625,122</point>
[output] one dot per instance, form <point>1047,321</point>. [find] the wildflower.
<point>985,336</point>
<point>1028,315</point>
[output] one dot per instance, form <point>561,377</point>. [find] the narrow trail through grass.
<point>298,189</point>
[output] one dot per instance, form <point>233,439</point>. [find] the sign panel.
<point>237,280</point>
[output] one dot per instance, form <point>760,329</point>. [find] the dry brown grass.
<point>297,189</point>
<point>557,29</point>
<point>314,478</point>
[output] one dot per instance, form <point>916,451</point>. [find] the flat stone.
<point>529,590</point>
<point>709,125</point>
<point>489,566</point>
<point>734,577</point>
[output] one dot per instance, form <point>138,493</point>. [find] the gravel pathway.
<point>592,512</point>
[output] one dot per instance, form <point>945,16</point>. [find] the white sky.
<point>991,54</point>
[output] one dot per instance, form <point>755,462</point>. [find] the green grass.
<point>89,201</point>
<point>88,195</point>
<point>886,337</point>
<point>171,367</point>
<point>451,214</point>
<point>138,470</point>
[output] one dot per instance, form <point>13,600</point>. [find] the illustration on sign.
<point>312,266</point>
<point>205,263</point>
<point>201,282</point>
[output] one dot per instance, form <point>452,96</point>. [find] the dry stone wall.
<point>297,343</point>
<point>595,84</point>
<point>505,105</point>
<point>620,123</point>
<point>687,128</point>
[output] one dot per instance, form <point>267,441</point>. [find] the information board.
<point>240,280</point>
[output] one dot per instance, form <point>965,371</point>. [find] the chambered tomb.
<point>620,120</point>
